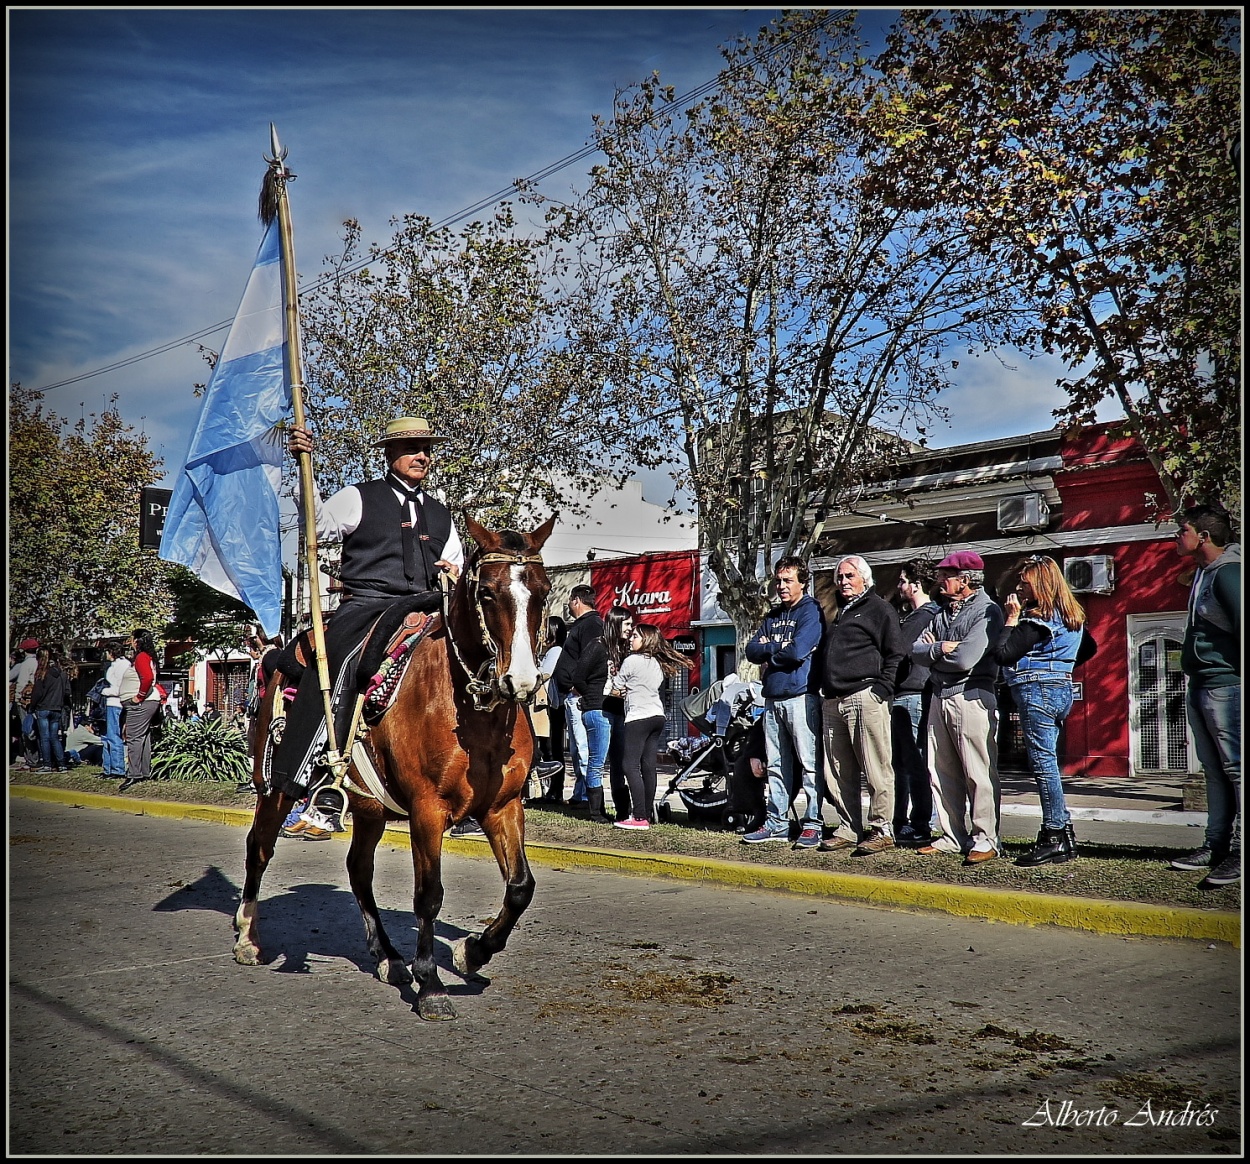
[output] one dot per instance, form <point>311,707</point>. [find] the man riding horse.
<point>396,539</point>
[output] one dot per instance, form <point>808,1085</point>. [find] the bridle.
<point>483,685</point>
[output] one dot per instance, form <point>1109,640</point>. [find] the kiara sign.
<point>656,588</point>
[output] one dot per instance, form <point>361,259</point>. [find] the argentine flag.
<point>222,522</point>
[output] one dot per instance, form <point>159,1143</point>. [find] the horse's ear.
<point>479,533</point>
<point>539,537</point>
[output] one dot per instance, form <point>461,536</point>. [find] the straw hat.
<point>406,428</point>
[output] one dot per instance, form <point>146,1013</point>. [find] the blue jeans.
<point>598,736</point>
<point>578,748</point>
<point>913,794</point>
<point>1043,706</point>
<point>48,725</point>
<point>114,759</point>
<point>1214,715</point>
<point>794,721</point>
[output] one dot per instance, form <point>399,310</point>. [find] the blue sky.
<point>135,161</point>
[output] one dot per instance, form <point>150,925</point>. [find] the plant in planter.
<point>195,750</point>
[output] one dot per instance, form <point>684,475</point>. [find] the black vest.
<point>373,553</point>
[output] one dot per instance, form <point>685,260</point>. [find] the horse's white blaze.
<point>523,670</point>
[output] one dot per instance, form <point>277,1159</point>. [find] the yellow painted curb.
<point>1082,913</point>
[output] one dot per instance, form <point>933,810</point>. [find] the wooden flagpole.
<point>274,204</point>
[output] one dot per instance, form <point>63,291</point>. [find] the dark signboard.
<point>154,504</point>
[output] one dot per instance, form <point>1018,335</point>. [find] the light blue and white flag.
<point>222,522</point>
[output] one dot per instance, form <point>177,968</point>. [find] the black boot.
<point>594,802</point>
<point>1069,840</point>
<point>555,790</point>
<point>1050,849</point>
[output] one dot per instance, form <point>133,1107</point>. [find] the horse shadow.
<point>317,920</point>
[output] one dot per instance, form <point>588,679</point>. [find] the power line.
<point>449,220</point>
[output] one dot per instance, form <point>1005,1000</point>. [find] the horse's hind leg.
<point>262,837</point>
<point>367,830</point>
<point>426,828</point>
<point>505,829</point>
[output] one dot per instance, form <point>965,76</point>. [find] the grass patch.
<point>1109,872</point>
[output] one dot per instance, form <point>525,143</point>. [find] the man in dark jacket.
<point>396,538</point>
<point>913,795</point>
<point>785,647</point>
<point>863,648</point>
<point>587,627</point>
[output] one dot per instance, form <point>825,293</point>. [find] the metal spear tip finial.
<point>277,152</point>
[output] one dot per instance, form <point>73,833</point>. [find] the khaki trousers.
<point>858,747</point>
<point>963,769</point>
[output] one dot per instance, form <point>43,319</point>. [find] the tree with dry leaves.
<point>1095,154</point>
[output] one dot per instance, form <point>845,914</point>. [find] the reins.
<point>483,685</point>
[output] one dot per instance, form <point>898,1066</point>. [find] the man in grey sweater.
<point>963,710</point>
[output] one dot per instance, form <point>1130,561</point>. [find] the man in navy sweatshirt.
<point>785,648</point>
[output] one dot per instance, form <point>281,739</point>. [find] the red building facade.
<point>1090,501</point>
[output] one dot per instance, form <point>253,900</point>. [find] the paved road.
<point>628,1016</point>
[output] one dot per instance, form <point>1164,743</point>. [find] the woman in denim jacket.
<point>1037,648</point>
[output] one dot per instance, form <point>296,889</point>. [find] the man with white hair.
<point>863,649</point>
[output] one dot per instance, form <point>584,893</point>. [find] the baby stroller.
<point>725,713</point>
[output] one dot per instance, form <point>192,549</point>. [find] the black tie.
<point>414,557</point>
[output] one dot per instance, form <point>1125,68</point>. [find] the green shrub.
<point>195,750</point>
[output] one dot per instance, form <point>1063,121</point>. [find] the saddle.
<point>387,651</point>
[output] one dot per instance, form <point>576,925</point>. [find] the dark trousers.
<point>616,763</point>
<point>551,746</point>
<point>642,744</point>
<point>303,737</point>
<point>913,794</point>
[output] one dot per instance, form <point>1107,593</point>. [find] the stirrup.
<point>317,797</point>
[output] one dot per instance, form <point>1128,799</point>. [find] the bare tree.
<point>786,326</point>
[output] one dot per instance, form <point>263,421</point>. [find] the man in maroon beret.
<point>963,713</point>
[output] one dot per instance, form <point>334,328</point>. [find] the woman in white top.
<point>121,685</point>
<point>639,680</point>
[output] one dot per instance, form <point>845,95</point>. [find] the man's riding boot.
<point>594,802</point>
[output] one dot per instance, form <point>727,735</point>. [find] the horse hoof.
<point>460,959</point>
<point>247,954</point>
<point>393,973</point>
<point>436,1008</point>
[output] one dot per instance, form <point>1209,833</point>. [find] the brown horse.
<point>455,743</point>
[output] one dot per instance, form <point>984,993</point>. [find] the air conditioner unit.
<point>1025,511</point>
<point>1094,575</point>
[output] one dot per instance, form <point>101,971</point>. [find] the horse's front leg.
<point>262,837</point>
<point>505,829</point>
<point>426,829</point>
<point>367,829</point>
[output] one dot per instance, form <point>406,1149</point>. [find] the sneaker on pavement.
<point>296,812</point>
<point>809,838</point>
<point>296,828</point>
<point>877,841</point>
<point>766,834</point>
<point>632,822</point>
<point>467,827</point>
<point>1226,872</point>
<point>548,768</point>
<point>1198,859</point>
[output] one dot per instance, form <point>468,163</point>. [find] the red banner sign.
<point>657,588</point>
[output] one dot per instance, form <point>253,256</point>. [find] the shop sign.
<point>655,588</point>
